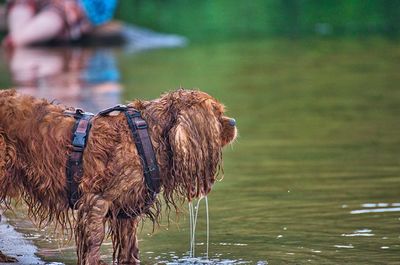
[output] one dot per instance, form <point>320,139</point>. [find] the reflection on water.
<point>360,232</point>
<point>197,261</point>
<point>84,78</point>
<point>377,208</point>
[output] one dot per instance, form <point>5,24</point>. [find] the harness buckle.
<point>152,168</point>
<point>79,141</point>
<point>141,124</point>
<point>79,111</point>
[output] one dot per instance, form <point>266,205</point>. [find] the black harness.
<point>140,134</point>
<point>75,163</point>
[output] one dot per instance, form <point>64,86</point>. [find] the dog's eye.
<point>218,108</point>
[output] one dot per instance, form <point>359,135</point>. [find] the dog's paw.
<point>133,262</point>
<point>6,259</point>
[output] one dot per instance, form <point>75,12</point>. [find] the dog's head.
<point>195,130</point>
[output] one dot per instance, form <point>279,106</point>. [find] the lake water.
<point>314,177</point>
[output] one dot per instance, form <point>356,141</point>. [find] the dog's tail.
<point>3,156</point>
<point>7,159</point>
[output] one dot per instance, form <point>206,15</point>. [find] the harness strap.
<point>140,135</point>
<point>144,146</point>
<point>74,164</point>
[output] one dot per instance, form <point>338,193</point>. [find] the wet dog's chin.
<point>229,136</point>
<point>234,136</point>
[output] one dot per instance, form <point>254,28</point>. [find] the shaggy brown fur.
<point>187,128</point>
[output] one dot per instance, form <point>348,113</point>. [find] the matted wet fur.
<point>187,128</point>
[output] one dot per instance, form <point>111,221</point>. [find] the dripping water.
<point>208,227</point>
<point>191,229</point>
<point>193,215</point>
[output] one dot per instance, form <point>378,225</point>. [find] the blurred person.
<point>84,78</point>
<point>33,21</point>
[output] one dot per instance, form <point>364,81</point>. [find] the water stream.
<point>193,215</point>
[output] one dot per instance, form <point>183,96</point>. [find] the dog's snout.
<point>232,122</point>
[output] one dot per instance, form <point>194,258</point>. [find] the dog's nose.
<point>232,122</point>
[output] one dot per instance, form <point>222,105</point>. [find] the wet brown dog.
<point>187,128</point>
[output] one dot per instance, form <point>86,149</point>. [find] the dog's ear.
<point>196,150</point>
<point>182,161</point>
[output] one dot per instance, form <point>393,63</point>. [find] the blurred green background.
<point>226,19</point>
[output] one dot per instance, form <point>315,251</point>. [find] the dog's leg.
<point>90,229</point>
<point>126,247</point>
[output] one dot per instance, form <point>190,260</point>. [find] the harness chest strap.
<point>144,146</point>
<point>75,163</point>
<point>138,127</point>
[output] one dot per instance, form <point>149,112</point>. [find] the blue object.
<point>99,11</point>
<point>100,68</point>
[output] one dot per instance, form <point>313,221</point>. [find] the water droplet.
<point>383,204</point>
<point>368,205</point>
<point>344,246</point>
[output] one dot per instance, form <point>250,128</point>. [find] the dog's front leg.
<point>126,247</point>
<point>90,229</point>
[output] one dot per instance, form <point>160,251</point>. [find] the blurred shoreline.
<point>14,244</point>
